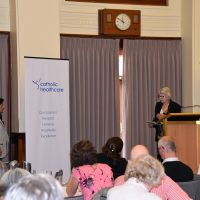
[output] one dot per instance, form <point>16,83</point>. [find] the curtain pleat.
<point>94,88</point>
<point>4,77</point>
<point>148,66</point>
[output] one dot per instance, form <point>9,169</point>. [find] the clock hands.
<point>121,20</point>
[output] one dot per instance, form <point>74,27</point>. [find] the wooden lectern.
<point>184,128</point>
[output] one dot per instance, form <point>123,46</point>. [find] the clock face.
<point>122,22</point>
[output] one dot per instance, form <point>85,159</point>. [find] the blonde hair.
<point>146,169</point>
<point>166,91</point>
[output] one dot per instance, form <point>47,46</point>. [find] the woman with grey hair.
<point>141,175</point>
<point>36,187</point>
<point>163,107</point>
<point>165,104</point>
<point>3,168</point>
<point>11,177</point>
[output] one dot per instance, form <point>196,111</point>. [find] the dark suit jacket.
<point>173,108</point>
<point>118,168</point>
<point>178,171</point>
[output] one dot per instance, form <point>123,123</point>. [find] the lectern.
<point>184,128</point>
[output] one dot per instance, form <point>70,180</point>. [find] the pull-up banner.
<point>47,124</point>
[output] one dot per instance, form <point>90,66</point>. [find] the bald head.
<point>138,150</point>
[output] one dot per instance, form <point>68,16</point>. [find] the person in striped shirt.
<point>167,190</point>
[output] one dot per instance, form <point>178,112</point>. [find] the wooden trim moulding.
<point>132,2</point>
<point>5,33</point>
<point>120,37</point>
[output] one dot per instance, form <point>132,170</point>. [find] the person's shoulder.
<point>167,182</point>
<point>178,162</point>
<point>171,163</point>
<point>174,107</point>
<point>119,180</point>
<point>103,165</point>
<point>123,160</point>
<point>177,166</point>
<point>77,171</point>
<point>158,106</point>
<point>172,189</point>
<point>158,103</point>
<point>122,163</point>
<point>185,165</point>
<point>150,196</point>
<point>170,166</point>
<point>101,156</point>
<point>175,103</point>
<point>79,168</point>
<point>113,193</point>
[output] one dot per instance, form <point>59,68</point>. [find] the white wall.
<point>34,32</point>
<point>156,21</point>
<point>191,51</point>
<point>82,18</point>
<point>196,53</point>
<point>4,15</point>
<point>187,53</point>
<point>35,28</point>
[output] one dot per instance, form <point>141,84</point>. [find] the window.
<point>120,86</point>
<point>120,66</point>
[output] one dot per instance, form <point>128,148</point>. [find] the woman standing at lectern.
<point>163,108</point>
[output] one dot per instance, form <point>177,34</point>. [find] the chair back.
<point>101,195</point>
<point>192,188</point>
<point>196,177</point>
<point>75,198</point>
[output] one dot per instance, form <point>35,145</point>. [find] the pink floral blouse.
<point>92,178</point>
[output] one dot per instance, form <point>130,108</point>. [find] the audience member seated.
<point>175,169</point>
<point>86,172</point>
<point>167,190</point>
<point>36,187</point>
<point>111,155</point>
<point>3,168</point>
<point>11,177</point>
<point>136,151</point>
<point>141,175</point>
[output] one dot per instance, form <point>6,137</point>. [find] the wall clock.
<point>123,22</point>
<point>119,22</point>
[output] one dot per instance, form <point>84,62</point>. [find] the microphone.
<point>190,107</point>
<point>198,106</point>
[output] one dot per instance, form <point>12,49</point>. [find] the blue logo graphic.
<point>47,86</point>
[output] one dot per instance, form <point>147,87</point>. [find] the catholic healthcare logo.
<point>47,86</point>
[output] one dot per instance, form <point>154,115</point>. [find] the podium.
<point>184,128</point>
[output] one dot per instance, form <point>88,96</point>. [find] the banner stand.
<point>47,119</point>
